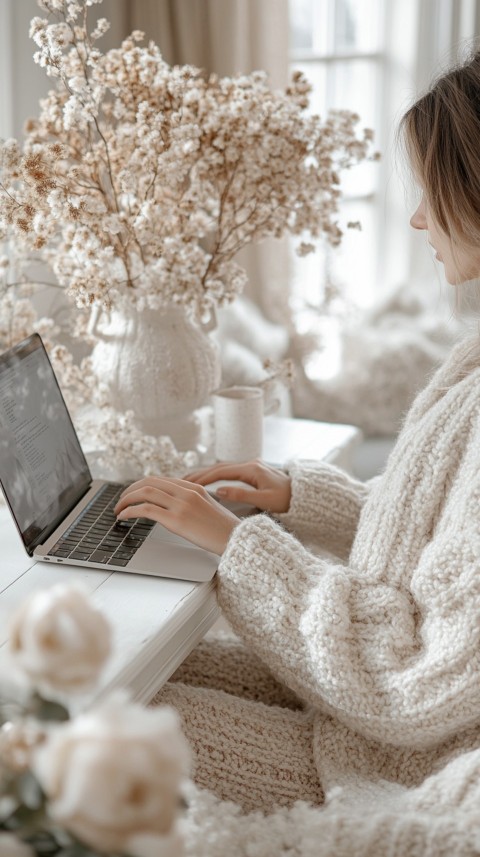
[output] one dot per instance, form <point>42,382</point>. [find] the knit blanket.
<point>388,353</point>
<point>381,825</point>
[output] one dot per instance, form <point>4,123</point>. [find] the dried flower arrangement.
<point>145,180</point>
<point>140,181</point>
<point>106,782</point>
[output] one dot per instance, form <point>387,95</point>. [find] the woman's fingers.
<point>163,483</point>
<point>152,511</point>
<point>140,483</point>
<point>270,488</point>
<point>239,494</point>
<point>130,501</point>
<point>155,490</point>
<point>182,508</point>
<point>244,472</point>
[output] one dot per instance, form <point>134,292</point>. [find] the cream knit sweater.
<point>382,643</point>
<point>389,642</point>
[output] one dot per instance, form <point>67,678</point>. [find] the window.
<point>340,47</point>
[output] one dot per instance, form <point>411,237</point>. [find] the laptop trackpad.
<point>168,555</point>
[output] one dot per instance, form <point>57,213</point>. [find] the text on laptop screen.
<point>43,471</point>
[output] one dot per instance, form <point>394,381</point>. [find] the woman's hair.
<point>441,132</point>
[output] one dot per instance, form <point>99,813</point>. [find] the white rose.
<point>17,741</point>
<point>10,846</point>
<point>112,777</point>
<point>145,845</point>
<point>59,640</point>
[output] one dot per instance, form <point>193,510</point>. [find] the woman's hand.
<point>271,488</point>
<point>182,507</point>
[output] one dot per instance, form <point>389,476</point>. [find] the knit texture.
<point>256,755</point>
<point>382,644</point>
<point>325,506</point>
<point>221,662</point>
<point>215,828</point>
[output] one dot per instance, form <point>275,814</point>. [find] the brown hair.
<point>441,132</point>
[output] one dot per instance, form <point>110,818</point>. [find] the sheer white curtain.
<point>222,36</point>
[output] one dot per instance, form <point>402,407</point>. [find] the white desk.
<point>156,622</point>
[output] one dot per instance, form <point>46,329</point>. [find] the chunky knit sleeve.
<point>326,504</point>
<point>389,643</point>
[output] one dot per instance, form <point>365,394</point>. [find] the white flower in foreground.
<point>10,846</point>
<point>17,741</point>
<point>112,777</point>
<point>59,640</point>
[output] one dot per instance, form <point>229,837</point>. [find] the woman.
<point>357,687</point>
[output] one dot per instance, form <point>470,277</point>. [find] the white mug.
<point>238,417</point>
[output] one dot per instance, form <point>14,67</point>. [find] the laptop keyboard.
<point>98,537</point>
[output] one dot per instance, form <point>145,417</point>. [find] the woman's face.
<point>461,263</point>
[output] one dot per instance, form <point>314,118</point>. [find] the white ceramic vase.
<point>159,364</point>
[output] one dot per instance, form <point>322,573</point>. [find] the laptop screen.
<point>43,471</point>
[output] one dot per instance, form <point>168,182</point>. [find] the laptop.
<point>63,515</point>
